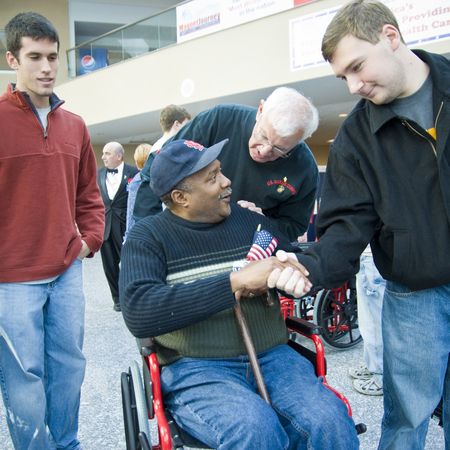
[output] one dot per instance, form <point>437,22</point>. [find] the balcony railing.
<point>129,41</point>
<point>4,66</point>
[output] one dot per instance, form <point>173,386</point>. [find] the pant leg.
<point>22,363</point>
<point>111,260</point>
<point>416,354</point>
<point>311,415</point>
<point>370,289</point>
<point>446,409</point>
<point>64,316</point>
<point>30,354</point>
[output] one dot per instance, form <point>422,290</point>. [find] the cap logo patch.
<point>193,144</point>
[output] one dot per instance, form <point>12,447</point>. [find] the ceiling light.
<point>343,115</point>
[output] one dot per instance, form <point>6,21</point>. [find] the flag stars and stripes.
<point>264,244</point>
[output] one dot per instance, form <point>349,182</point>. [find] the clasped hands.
<point>282,271</point>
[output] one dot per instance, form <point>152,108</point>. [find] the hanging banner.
<point>201,17</point>
<point>420,22</point>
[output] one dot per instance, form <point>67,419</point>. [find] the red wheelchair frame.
<point>334,310</point>
<point>169,434</point>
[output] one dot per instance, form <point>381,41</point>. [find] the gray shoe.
<point>368,386</point>
<point>359,372</point>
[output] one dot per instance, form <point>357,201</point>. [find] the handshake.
<point>282,271</point>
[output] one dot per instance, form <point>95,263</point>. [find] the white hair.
<point>289,112</point>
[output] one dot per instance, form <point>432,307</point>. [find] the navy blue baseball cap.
<point>179,159</point>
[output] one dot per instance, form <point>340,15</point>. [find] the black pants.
<point>110,252</point>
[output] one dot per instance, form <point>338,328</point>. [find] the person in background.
<point>140,157</point>
<point>172,118</point>
<point>52,218</point>
<point>178,286</point>
<point>370,286</point>
<point>388,184</point>
<point>273,171</point>
<point>113,180</point>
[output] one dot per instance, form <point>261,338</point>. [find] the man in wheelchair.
<point>178,286</point>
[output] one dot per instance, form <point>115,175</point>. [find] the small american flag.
<point>264,244</point>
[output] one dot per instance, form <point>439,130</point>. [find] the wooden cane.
<point>251,349</point>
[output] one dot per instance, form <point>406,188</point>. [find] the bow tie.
<point>113,170</point>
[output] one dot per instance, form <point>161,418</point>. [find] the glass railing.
<point>126,42</point>
<point>4,66</point>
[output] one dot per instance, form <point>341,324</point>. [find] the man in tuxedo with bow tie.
<point>113,180</point>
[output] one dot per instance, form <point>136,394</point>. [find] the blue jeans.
<point>41,363</point>
<point>216,401</point>
<point>370,286</point>
<point>416,337</point>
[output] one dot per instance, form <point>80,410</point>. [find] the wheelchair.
<point>335,311</point>
<point>142,397</point>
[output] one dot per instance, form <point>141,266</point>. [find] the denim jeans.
<point>370,287</point>
<point>41,363</point>
<point>416,337</point>
<point>216,401</point>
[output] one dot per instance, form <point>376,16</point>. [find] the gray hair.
<point>289,111</point>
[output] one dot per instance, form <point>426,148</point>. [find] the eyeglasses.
<point>266,143</point>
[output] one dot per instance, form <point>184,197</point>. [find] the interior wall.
<point>55,11</point>
<point>320,152</point>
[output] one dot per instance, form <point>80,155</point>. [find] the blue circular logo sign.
<point>88,62</point>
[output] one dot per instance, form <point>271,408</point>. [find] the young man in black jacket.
<point>388,183</point>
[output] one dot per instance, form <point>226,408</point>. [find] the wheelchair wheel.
<point>134,409</point>
<point>336,312</point>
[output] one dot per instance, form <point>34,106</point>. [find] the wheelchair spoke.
<point>336,313</point>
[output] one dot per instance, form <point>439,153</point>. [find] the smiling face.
<point>36,69</point>
<point>208,199</point>
<point>375,72</point>
<point>265,144</point>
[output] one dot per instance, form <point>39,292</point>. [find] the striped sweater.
<point>175,286</point>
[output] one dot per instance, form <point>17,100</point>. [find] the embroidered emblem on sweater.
<point>282,185</point>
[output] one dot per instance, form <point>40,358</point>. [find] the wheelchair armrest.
<point>303,326</point>
<point>147,347</point>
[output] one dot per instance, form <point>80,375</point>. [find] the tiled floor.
<point>109,347</point>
